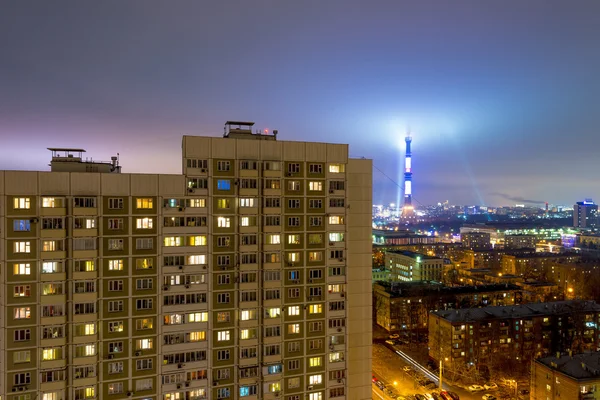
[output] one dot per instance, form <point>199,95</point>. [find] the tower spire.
<point>408,209</point>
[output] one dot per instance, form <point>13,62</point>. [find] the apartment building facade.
<point>486,336</point>
<point>407,266</point>
<point>566,376</point>
<point>245,277</point>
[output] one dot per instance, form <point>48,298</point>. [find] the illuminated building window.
<point>294,310</point>
<point>336,168</point>
<point>315,379</point>
<point>115,265</point>
<point>247,202</point>
<point>293,328</point>
<point>22,247</point>
<point>223,336</point>
<point>314,362</point>
<point>173,241</point>
<point>315,309</point>
<point>224,222</point>
<point>197,240</point>
<point>273,239</point>
<point>144,223</point>
<point>293,239</point>
<point>145,203</point>
<point>315,186</point>
<point>21,203</point>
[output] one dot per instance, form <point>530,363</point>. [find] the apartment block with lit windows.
<point>245,277</point>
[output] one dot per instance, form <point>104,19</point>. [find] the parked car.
<point>390,342</point>
<point>380,385</point>
<point>490,386</point>
<point>488,396</point>
<point>419,396</point>
<point>394,336</point>
<point>475,388</point>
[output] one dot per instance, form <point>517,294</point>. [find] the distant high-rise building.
<point>585,214</point>
<point>246,276</point>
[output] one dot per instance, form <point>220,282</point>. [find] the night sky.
<point>502,97</point>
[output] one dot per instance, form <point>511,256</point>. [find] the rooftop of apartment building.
<point>416,256</point>
<point>396,234</point>
<point>542,255</point>
<point>410,289</point>
<point>576,366</point>
<point>519,311</point>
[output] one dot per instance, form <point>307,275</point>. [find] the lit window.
<point>274,387</point>
<point>336,237</point>
<point>336,220</point>
<point>49,354</point>
<point>274,312</point>
<point>314,361</point>
<point>22,269</point>
<point>315,309</point>
<point>294,310</point>
<point>22,247</point>
<point>144,223</point>
<point>315,186</point>
<point>245,221</point>
<point>274,239</point>
<point>336,168</point>
<point>143,263</point>
<point>197,317</point>
<point>293,239</point>
<point>22,313</point>
<point>144,203</point>
<point>224,184</point>
<point>197,336</point>
<point>247,202</point>
<point>144,344</point>
<point>224,222</point>
<point>196,260</point>
<point>197,203</point>
<point>173,241</point>
<point>315,396</point>
<point>293,328</point>
<point>115,265</point>
<point>197,240</point>
<point>21,225</point>
<point>293,257</point>
<point>223,203</point>
<point>223,336</point>
<point>316,379</point>
<point>51,202</point>
<point>22,203</point>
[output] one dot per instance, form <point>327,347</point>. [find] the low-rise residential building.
<point>522,241</point>
<point>566,376</point>
<point>492,335</point>
<point>380,274</point>
<point>476,240</point>
<point>533,264</point>
<point>405,307</point>
<point>407,266</point>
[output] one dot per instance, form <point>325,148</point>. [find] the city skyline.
<point>499,99</point>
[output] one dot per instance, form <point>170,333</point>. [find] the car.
<point>436,396</point>
<point>419,396</point>
<point>380,385</point>
<point>454,396</point>
<point>390,342</point>
<point>394,336</point>
<point>475,388</point>
<point>490,386</point>
<point>406,368</point>
<point>488,396</point>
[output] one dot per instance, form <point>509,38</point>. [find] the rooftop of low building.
<point>577,366</point>
<point>518,311</point>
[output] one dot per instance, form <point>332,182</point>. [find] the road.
<point>388,362</point>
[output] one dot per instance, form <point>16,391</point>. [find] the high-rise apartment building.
<point>246,277</point>
<point>585,214</point>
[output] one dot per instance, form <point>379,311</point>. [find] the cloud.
<point>517,199</point>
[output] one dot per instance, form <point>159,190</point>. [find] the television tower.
<point>408,210</point>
